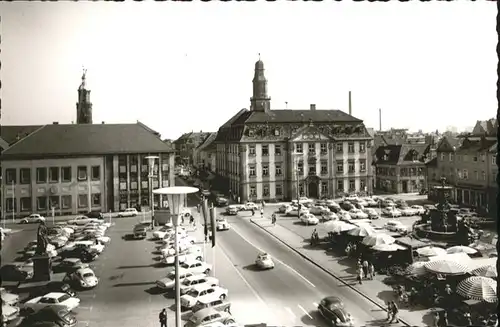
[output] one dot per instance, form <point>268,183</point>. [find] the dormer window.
<point>250,132</point>
<point>386,157</point>
<point>276,132</point>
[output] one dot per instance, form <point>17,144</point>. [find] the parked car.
<point>318,210</point>
<point>264,261</point>
<point>81,220</point>
<point>169,281</point>
<point>294,211</point>
<point>387,203</point>
<point>139,231</point>
<point>57,240</point>
<point>70,265</point>
<point>232,210</point>
<point>407,211</point>
<point>419,209</point>
<point>360,202</point>
<point>217,304</point>
<point>60,317</point>
<point>372,213</point>
<point>195,266</point>
<point>250,206</point>
<point>9,298</point>
<point>329,216</point>
<point>189,254</point>
<point>357,214</point>
<point>9,312</point>
<point>209,316</point>
<point>346,205</point>
<point>333,310</point>
<point>309,219</point>
<point>305,200</point>
<point>370,202</point>
<point>189,282</point>
<point>203,292</point>
<point>283,208</point>
<point>391,212</point>
<point>34,218</point>
<point>85,254</point>
<point>83,278</point>
<point>221,200</point>
<point>95,214</point>
<point>92,246</point>
<point>222,224</point>
<point>396,226</point>
<point>55,300</point>
<point>129,212</point>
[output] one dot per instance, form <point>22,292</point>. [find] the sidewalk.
<point>341,268</point>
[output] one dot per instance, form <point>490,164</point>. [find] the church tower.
<point>83,106</point>
<point>260,101</point>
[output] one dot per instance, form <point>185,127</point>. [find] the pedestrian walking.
<point>253,212</point>
<point>365,268</point>
<point>273,219</point>
<point>395,311</point>
<point>444,320</point>
<point>389,310</point>
<point>348,250</point>
<point>163,318</point>
<point>198,207</point>
<point>371,270</point>
<point>261,212</point>
<point>435,319</point>
<point>360,275</point>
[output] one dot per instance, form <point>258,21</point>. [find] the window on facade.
<point>123,186</point>
<point>265,150</point>
<point>25,204</point>
<point>82,173</point>
<point>324,188</point>
<point>312,169</point>
<point>362,185</point>
<point>459,174</point>
<point>25,176</point>
<point>10,205</point>
<point>134,185</point>
<point>54,174</point>
<point>96,173</point>
<point>265,170</point>
<point>265,190</point>
<point>494,159</point>
<point>300,167</point>
<point>252,171</point>
<point>311,148</point>
<point>253,191</point>
<point>279,189</point>
<point>278,170</point>
<point>54,201</point>
<point>340,185</point>
<point>323,147</point>
<point>350,147</point>
<point>41,175</point>
<point>123,169</point>
<point>41,203</point>
<point>450,156</point>
<point>324,168</point>
<point>352,167</point>
<point>362,165</point>
<point>442,156</point>
<point>276,132</point>
<point>66,174</point>
<point>298,148</point>
<point>465,174</point>
<point>251,150</point>
<point>474,158</point>
<point>83,201</point>
<point>362,147</point>
<point>339,147</point>
<point>340,166</point>
<point>483,175</point>
<point>352,185</point>
<point>10,176</point>
<point>65,201</point>
<point>277,150</point>
<point>96,200</point>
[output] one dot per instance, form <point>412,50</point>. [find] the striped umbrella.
<point>446,267</point>
<point>486,271</point>
<point>430,251</point>
<point>417,268</point>
<point>362,230</point>
<point>479,288</point>
<point>378,239</point>
<point>461,249</point>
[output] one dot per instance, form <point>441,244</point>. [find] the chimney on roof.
<point>380,119</point>
<point>55,123</point>
<point>313,107</point>
<point>350,104</point>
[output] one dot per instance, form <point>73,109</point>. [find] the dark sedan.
<point>333,310</point>
<point>86,255</point>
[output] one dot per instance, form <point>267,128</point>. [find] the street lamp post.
<point>176,196</point>
<point>151,161</point>
<point>297,172</point>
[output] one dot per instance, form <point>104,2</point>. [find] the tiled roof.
<point>449,144</point>
<point>183,137</point>
<point>207,141</point>
<point>398,154</point>
<point>230,122</point>
<point>479,146</point>
<point>13,133</point>
<point>298,116</point>
<point>87,139</point>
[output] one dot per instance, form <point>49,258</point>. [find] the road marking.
<point>291,312</point>
<point>304,310</point>
<point>281,262</point>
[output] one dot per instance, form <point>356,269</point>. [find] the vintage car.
<point>201,279</point>
<point>60,317</point>
<point>55,300</point>
<point>202,292</point>
<point>309,219</point>
<point>222,224</point>
<point>264,261</point>
<point>34,218</point>
<point>209,316</point>
<point>334,311</point>
<point>217,304</point>
<point>233,209</point>
<point>129,212</point>
<point>169,281</point>
<point>84,278</point>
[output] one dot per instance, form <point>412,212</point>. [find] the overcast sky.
<point>182,67</point>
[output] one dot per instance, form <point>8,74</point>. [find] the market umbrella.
<point>362,230</point>
<point>486,271</point>
<point>388,247</point>
<point>479,288</point>
<point>446,267</point>
<point>378,239</point>
<point>417,268</point>
<point>337,226</point>
<point>430,251</point>
<point>461,249</point>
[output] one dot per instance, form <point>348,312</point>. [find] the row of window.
<point>51,174</point>
<point>311,148</point>
<point>44,203</point>
<point>464,157</point>
<point>464,174</point>
<point>311,168</point>
<point>404,172</point>
<point>323,185</point>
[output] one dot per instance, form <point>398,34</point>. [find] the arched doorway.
<point>312,189</point>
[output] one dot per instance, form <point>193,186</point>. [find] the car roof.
<point>202,287</point>
<point>54,295</point>
<point>197,276</point>
<point>205,312</point>
<point>82,271</point>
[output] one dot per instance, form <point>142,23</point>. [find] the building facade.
<point>401,168</point>
<point>186,145</point>
<point>265,154</point>
<point>205,154</point>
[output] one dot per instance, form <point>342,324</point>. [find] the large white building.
<point>265,154</point>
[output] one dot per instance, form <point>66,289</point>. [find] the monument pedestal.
<point>42,268</point>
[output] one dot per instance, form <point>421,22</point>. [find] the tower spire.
<point>260,101</point>
<point>84,106</point>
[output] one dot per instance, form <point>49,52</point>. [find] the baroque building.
<point>265,154</point>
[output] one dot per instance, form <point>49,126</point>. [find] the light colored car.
<point>295,211</point>
<point>167,232</point>
<point>93,246</point>
<point>54,300</point>
<point>169,281</point>
<point>85,278</point>
<point>250,205</point>
<point>361,202</point>
<point>391,212</point>
<point>81,220</point>
<point>57,240</point>
<point>9,298</point>
<point>186,240</point>
<point>408,211</point>
<point>196,267</point>
<point>305,200</point>
<point>191,254</point>
<point>34,218</point>
<point>309,219</point>
<point>232,210</point>
<point>332,203</point>
<point>9,312</point>
<point>396,226</point>
<point>31,250</point>
<point>329,216</point>
<point>202,292</point>
<point>370,202</point>
<point>344,215</point>
<point>202,279</point>
<point>129,212</point>
<point>419,209</point>
<point>318,210</point>
<point>358,214</point>
<point>264,261</point>
<point>209,316</point>
<point>283,207</point>
<point>387,203</point>
<point>372,213</point>
<point>222,224</point>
